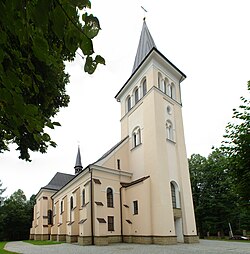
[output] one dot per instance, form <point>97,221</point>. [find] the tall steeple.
<point>146,43</point>
<point>78,166</point>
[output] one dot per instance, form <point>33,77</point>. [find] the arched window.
<point>110,198</point>
<point>83,197</point>
<point>71,203</point>
<point>144,87</point>
<point>173,194</point>
<point>164,86</point>
<point>136,137</point>
<point>170,131</point>
<point>128,103</point>
<point>136,95</point>
<point>159,80</point>
<point>171,90</point>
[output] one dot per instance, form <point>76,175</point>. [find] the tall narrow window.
<point>136,137</point>
<point>135,206</point>
<point>83,197</point>
<point>164,84</point>
<point>50,217</point>
<point>71,203</point>
<point>171,90</point>
<point>61,210</point>
<point>144,87</point>
<point>110,198</point>
<point>111,226</point>
<point>159,80</point>
<point>128,104</point>
<point>136,94</point>
<point>118,164</point>
<point>173,194</point>
<point>170,131</point>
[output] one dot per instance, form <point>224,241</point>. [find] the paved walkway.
<point>204,247</point>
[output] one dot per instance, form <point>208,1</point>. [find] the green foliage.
<point>2,190</point>
<point>215,200</point>
<point>36,242</point>
<point>237,146</point>
<point>16,217</point>
<point>36,37</point>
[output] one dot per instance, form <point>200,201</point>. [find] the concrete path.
<point>204,247</point>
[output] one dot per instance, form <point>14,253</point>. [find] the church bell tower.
<point>151,116</point>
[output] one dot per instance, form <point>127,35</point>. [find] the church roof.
<point>111,150</point>
<point>78,158</point>
<point>58,181</point>
<point>146,48</point>
<point>146,43</point>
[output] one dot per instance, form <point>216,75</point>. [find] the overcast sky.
<point>208,40</point>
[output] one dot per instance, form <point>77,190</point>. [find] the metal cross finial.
<point>78,143</point>
<point>144,12</point>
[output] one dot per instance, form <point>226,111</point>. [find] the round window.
<point>169,110</point>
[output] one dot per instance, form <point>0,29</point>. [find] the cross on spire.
<point>145,11</point>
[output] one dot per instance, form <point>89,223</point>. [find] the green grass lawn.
<point>2,251</point>
<point>35,242</point>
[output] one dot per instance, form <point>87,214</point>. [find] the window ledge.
<point>136,147</point>
<point>170,140</point>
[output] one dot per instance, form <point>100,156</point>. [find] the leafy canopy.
<point>237,146</point>
<point>36,37</point>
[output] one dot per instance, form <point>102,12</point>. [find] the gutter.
<point>121,212</point>
<point>91,206</point>
<point>181,79</point>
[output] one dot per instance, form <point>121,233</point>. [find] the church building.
<point>139,191</point>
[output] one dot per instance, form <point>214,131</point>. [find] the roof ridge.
<point>110,150</point>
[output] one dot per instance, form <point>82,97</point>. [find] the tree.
<point>237,147</point>
<point>36,37</point>
<point>213,192</point>
<point>2,190</point>
<point>16,217</point>
<point>197,164</point>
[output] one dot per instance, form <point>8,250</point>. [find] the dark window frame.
<point>136,93</point>
<point>135,207</point>
<point>71,203</point>
<point>83,198</point>
<point>110,198</point>
<point>111,224</point>
<point>173,195</point>
<point>144,87</point>
<point>61,207</point>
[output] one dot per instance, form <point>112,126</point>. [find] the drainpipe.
<point>91,207</point>
<point>121,213</point>
<point>181,79</point>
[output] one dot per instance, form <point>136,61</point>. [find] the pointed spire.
<point>146,43</point>
<point>78,166</point>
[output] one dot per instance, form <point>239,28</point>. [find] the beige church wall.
<point>136,154</point>
<point>102,211</point>
<point>120,153</point>
<point>186,194</point>
<point>156,161</point>
<point>62,220</point>
<point>43,204</point>
<point>141,222</point>
<point>136,81</point>
<point>54,228</point>
<point>69,219</point>
<point>167,72</point>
